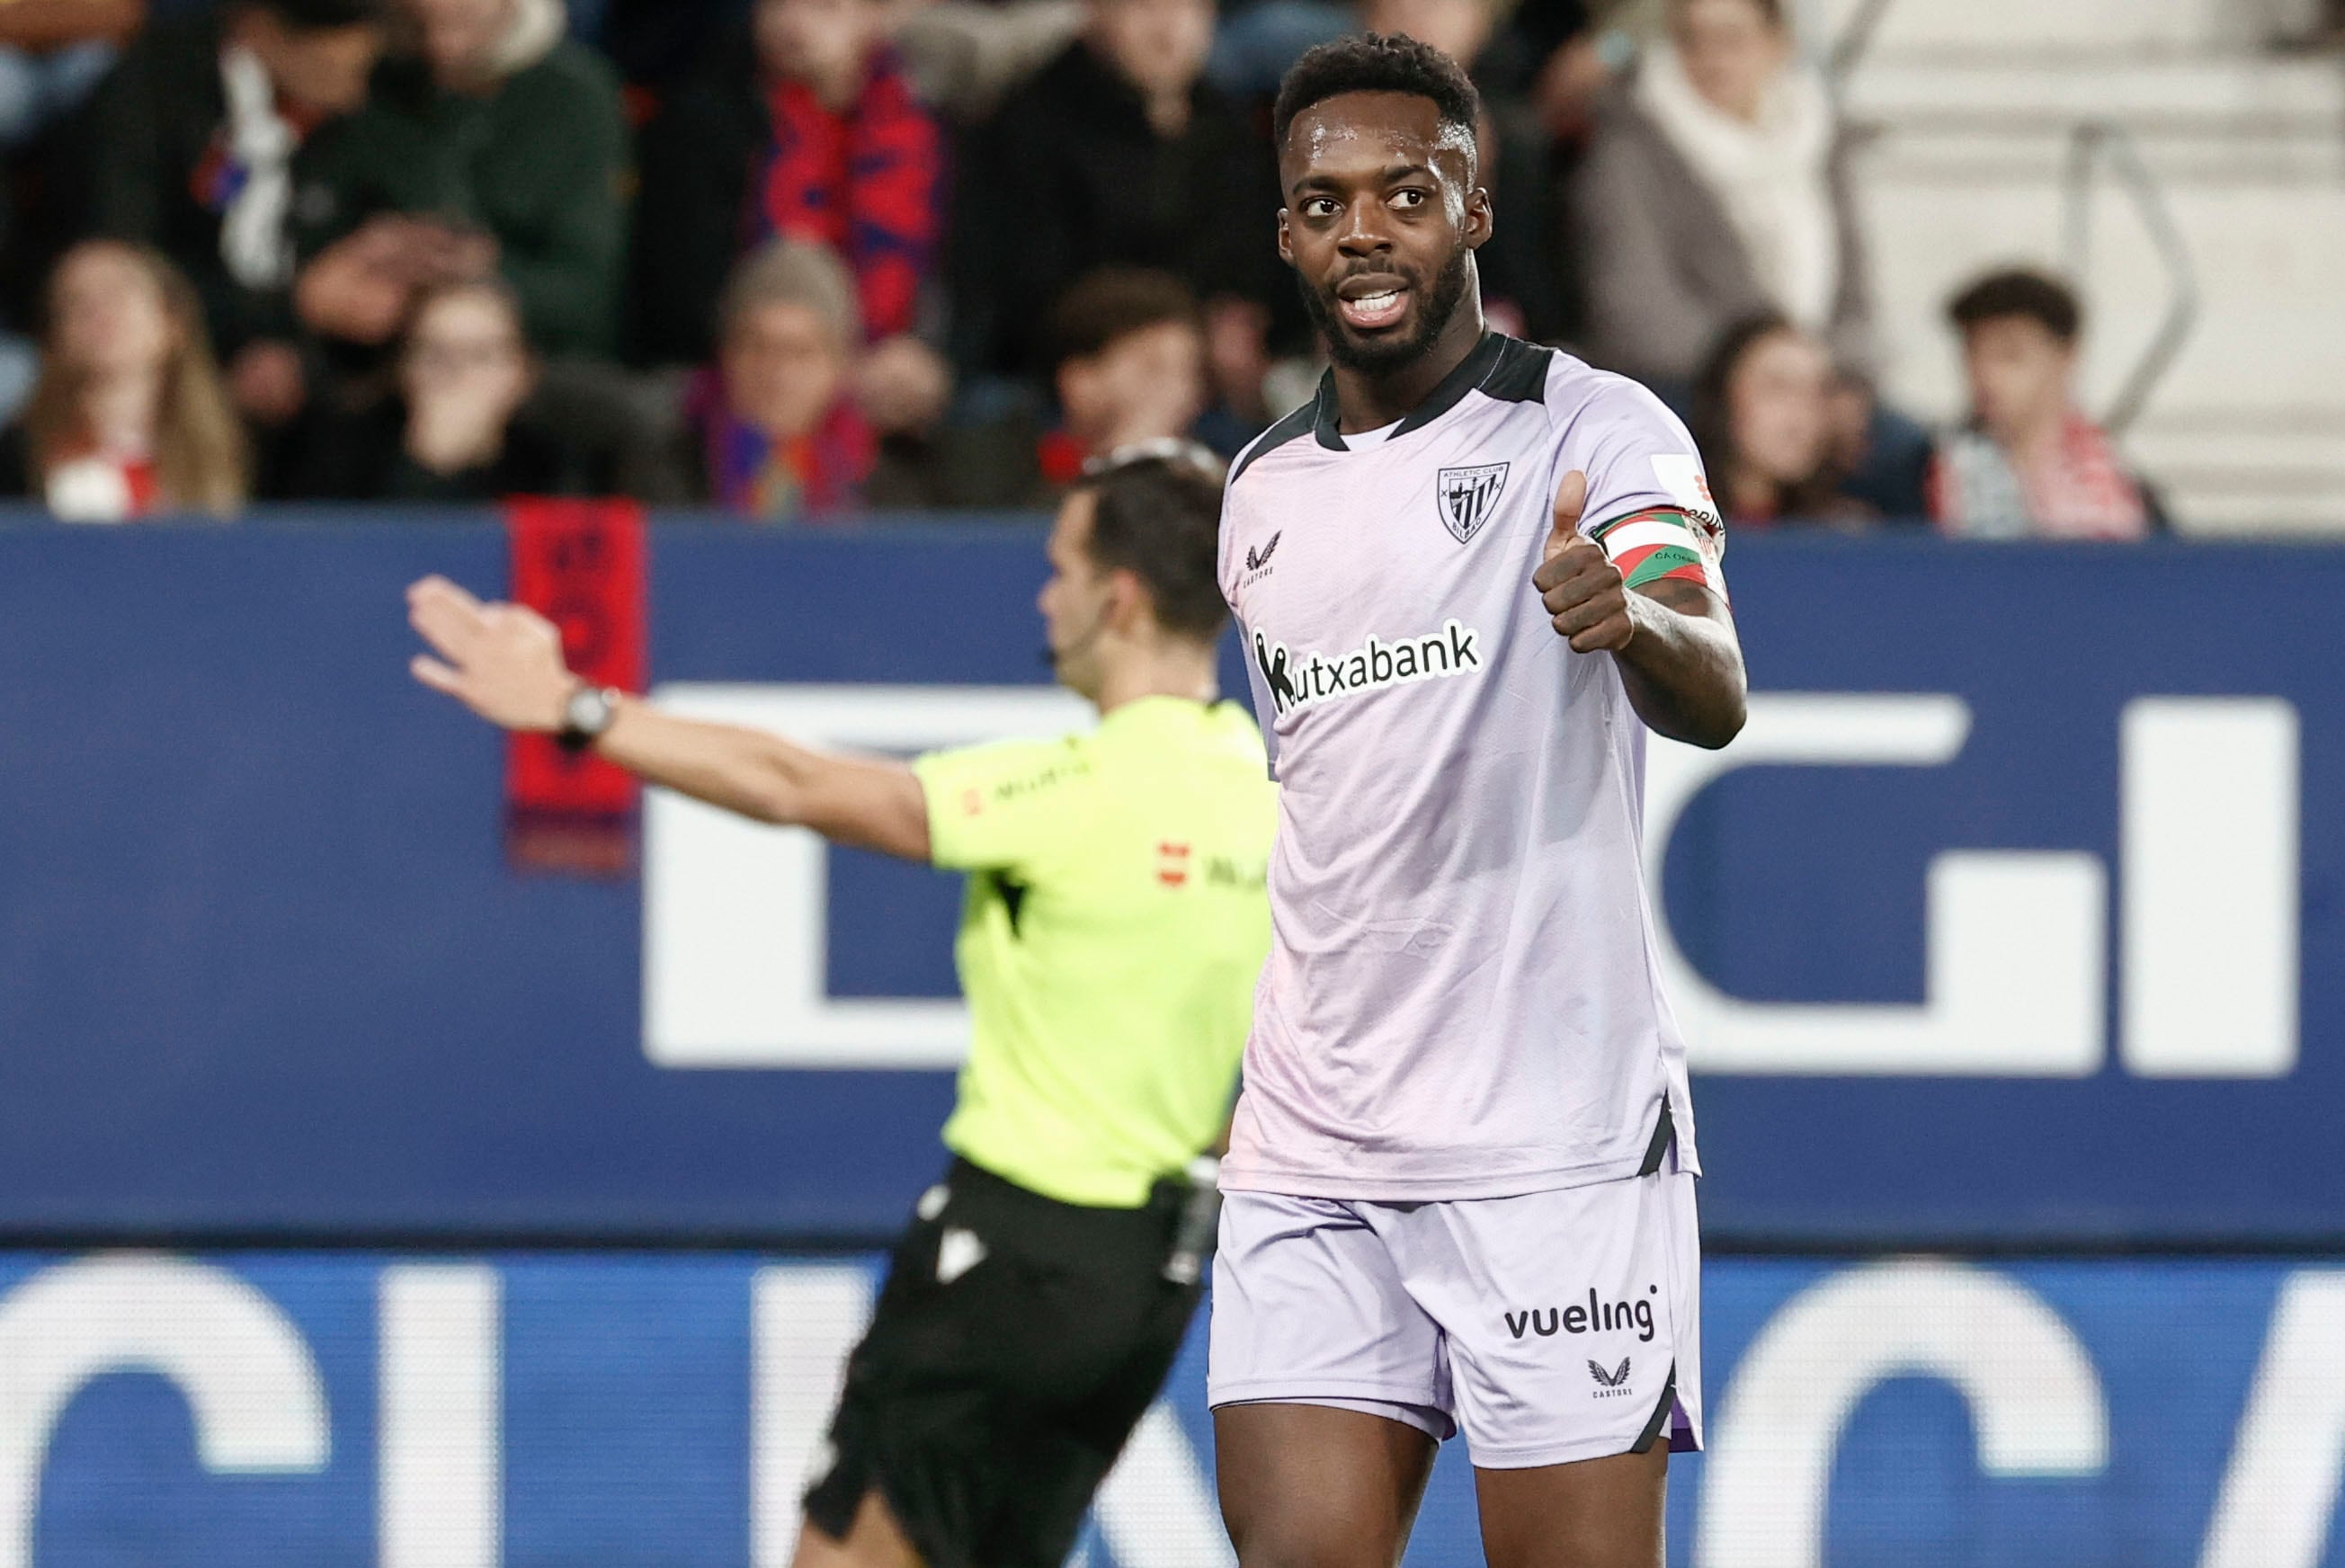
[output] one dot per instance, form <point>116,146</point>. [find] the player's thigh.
<point>1593,1513</point>
<point>1329,1386</point>
<point>1313,1486</point>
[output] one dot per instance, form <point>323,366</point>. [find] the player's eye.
<point>1408,199</point>
<point>1318,207</point>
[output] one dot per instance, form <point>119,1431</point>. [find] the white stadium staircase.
<point>1972,111</point>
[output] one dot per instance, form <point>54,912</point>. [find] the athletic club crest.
<point>1468,496</point>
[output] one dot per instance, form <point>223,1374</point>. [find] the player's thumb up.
<point>1571,499</point>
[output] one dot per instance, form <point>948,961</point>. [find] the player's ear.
<point>1286,238</point>
<point>1480,217</point>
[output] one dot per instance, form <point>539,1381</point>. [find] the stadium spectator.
<point>2028,462</point>
<point>1563,45</point>
<point>773,425</point>
<point>199,141</point>
<point>1762,420</point>
<point>1881,454</point>
<point>1117,151</point>
<point>500,149</point>
<point>53,52</point>
<point>128,418</point>
<point>463,427</point>
<point>965,55</point>
<point>1131,367</point>
<point>806,128</point>
<point>1716,186</point>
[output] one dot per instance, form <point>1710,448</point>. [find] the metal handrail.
<point>2093,145</point>
<point>1856,38</point>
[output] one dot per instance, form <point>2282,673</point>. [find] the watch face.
<point>589,713</point>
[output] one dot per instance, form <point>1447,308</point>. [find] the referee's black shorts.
<point>1017,1343</point>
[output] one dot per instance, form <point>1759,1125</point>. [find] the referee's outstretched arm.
<point>504,662</point>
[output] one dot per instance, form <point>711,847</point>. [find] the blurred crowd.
<point>800,259</point>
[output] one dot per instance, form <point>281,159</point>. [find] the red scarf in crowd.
<point>2076,489</point>
<point>866,181</point>
<point>815,476</point>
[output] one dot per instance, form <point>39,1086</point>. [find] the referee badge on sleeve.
<point>1467,496</point>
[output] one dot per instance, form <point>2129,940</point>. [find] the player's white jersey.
<point>1461,1000</point>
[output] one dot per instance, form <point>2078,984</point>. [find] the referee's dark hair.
<point>1156,513</point>
<point>1376,63</point>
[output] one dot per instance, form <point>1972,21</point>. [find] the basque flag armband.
<point>1660,543</point>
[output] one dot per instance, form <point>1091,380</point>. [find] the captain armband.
<point>1661,544</point>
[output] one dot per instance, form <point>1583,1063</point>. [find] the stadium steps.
<point>1968,106</point>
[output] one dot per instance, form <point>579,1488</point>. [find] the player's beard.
<point>1382,357</point>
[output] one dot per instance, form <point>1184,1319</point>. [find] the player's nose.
<point>1362,234</point>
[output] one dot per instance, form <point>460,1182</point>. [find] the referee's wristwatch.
<point>585,714</point>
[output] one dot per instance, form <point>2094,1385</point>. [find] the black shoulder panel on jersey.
<point>1293,427</point>
<point>1520,374</point>
<point>1499,367</point>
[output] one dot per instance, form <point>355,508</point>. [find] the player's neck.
<point>1369,400</point>
<point>1168,670</point>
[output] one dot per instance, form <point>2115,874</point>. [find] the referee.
<point>1114,926</point>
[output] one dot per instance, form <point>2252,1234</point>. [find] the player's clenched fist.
<point>1583,592</point>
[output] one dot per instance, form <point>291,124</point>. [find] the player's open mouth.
<point>1366,312</point>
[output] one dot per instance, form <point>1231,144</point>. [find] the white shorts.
<point>1550,1328</point>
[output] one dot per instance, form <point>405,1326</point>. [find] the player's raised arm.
<point>504,662</point>
<point>1673,638</point>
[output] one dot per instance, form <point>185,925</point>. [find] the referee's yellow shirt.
<point>1115,925</point>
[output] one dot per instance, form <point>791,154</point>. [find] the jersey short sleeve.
<point>1001,807</point>
<point>1649,501</point>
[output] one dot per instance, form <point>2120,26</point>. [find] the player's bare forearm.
<point>869,802</point>
<point>1672,638</point>
<point>1682,663</point>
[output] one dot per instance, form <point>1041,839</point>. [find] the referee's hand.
<point>1583,592</point>
<point>502,661</point>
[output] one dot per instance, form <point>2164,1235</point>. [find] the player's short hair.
<point>2019,291</point>
<point>323,16</point>
<point>794,272</point>
<point>1157,514</point>
<point>1112,303</point>
<point>1376,63</point>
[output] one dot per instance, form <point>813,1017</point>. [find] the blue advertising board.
<point>2014,917</point>
<point>269,1409</point>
